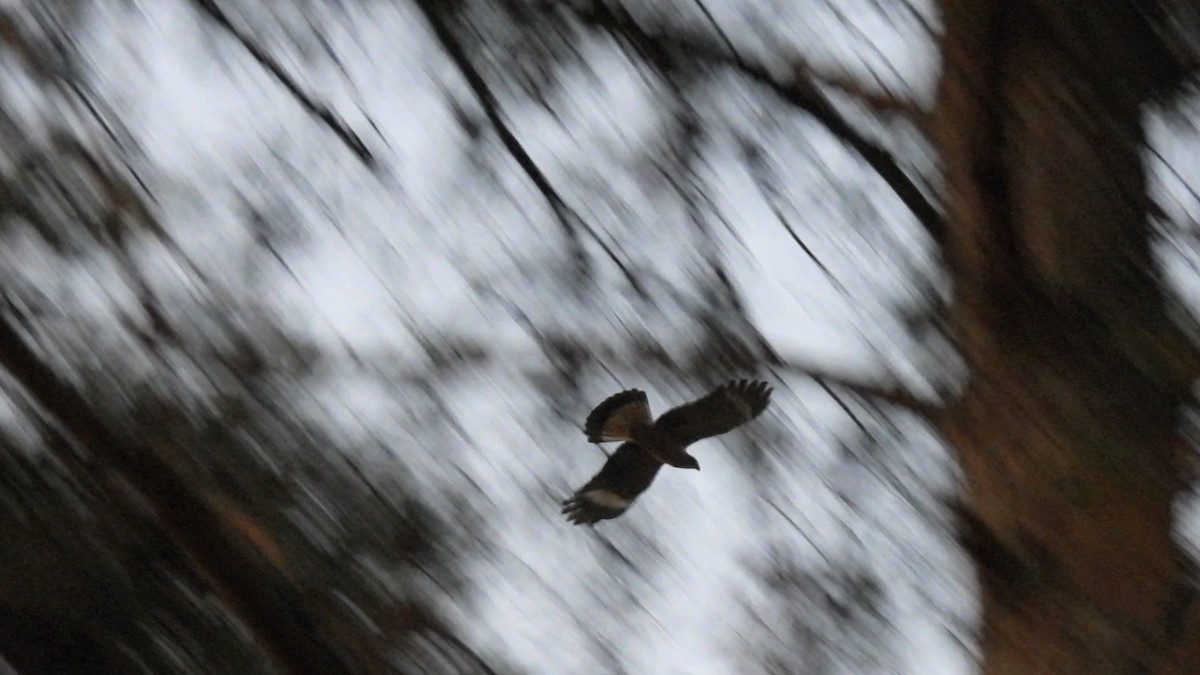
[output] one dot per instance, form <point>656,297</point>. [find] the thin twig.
<point>871,388</point>
<point>570,221</point>
<point>319,110</point>
<point>880,101</point>
<point>764,180</point>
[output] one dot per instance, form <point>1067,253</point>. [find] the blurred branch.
<point>533,364</point>
<point>50,60</point>
<point>16,41</point>
<point>882,102</point>
<point>318,110</point>
<point>766,181</point>
<point>247,585</point>
<point>879,101</point>
<point>567,218</point>
<point>446,635</point>
<point>873,388</point>
<point>800,90</point>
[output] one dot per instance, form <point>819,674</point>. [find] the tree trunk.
<point>1067,431</point>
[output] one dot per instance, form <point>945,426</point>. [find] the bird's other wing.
<point>616,415</point>
<point>626,474</point>
<point>728,406</point>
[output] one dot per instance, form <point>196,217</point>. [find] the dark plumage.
<point>648,444</point>
<point>615,414</point>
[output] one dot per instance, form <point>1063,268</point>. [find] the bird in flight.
<point>649,443</point>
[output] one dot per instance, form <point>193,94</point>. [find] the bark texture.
<point>1067,431</point>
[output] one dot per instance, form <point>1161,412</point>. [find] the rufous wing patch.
<point>615,418</point>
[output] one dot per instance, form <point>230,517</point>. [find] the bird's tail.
<point>615,418</point>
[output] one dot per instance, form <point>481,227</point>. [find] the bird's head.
<point>688,462</point>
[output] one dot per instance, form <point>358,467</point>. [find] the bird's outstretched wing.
<point>613,419</point>
<point>626,474</point>
<point>728,406</point>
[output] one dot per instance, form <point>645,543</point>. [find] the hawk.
<point>650,443</point>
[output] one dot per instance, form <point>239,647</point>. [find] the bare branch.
<point>319,110</point>
<point>872,388</point>
<point>567,218</point>
<point>540,362</point>
<point>765,180</point>
<point>880,101</point>
<point>801,92</point>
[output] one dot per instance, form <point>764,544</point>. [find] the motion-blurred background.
<point>303,305</point>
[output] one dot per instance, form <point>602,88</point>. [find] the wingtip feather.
<point>755,393</point>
